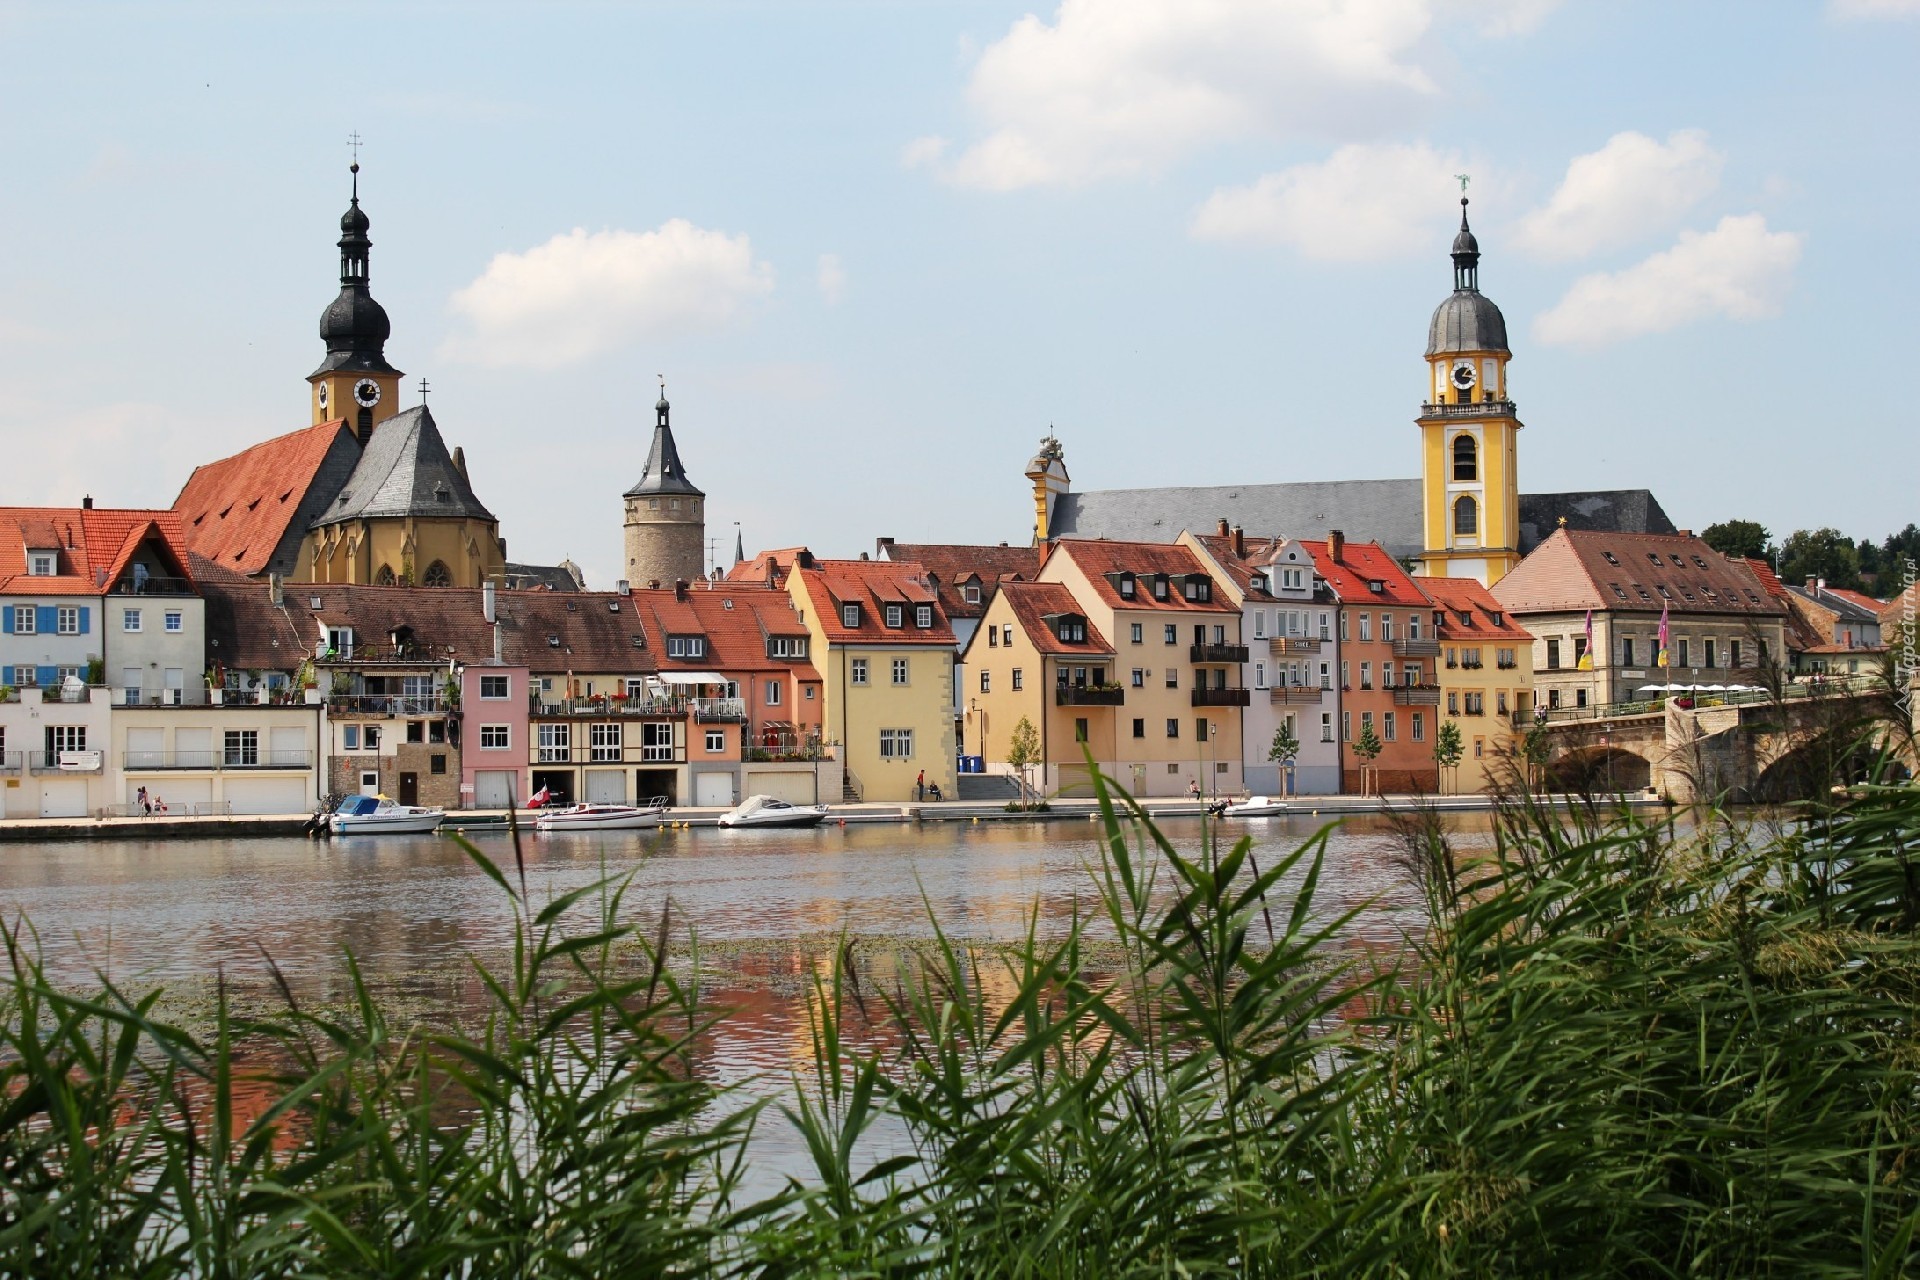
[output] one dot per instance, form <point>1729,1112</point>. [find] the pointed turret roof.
<point>405,470</point>
<point>663,474</point>
<point>354,326</point>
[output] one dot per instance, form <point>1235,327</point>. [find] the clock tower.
<point>355,382</point>
<point>1468,430</point>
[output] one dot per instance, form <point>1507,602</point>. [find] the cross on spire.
<point>353,141</point>
<point>423,391</point>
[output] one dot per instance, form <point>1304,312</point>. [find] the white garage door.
<point>268,795</point>
<point>63,798</point>
<point>493,789</point>
<point>606,786</point>
<point>712,790</point>
<point>182,794</point>
<point>795,786</point>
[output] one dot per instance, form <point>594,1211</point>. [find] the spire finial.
<point>423,391</point>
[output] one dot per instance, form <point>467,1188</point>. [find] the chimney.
<point>489,603</point>
<point>1223,527</point>
<point>863,555</point>
<point>1819,586</point>
<point>1336,544</point>
<point>86,503</point>
<point>1686,533</point>
<point>804,558</point>
<point>679,588</point>
<point>460,461</point>
<point>276,592</point>
<point>1239,542</point>
<point>1813,583</point>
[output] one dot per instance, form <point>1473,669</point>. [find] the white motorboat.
<point>363,815</point>
<point>602,817</point>
<point>1254,807</point>
<point>765,811</point>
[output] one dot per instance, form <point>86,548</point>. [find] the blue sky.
<point>878,249</point>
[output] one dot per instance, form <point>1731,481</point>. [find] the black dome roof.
<point>354,320</point>
<point>1467,321</point>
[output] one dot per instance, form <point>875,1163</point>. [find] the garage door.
<point>268,795</point>
<point>182,795</point>
<point>795,786</point>
<point>63,798</point>
<point>493,789</point>
<point>1076,780</point>
<point>607,786</point>
<point>712,790</point>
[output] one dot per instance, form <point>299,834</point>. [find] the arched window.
<point>1466,516</point>
<point>384,578</point>
<point>437,575</point>
<point>1466,458</point>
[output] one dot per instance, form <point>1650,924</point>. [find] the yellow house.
<point>885,653</point>
<point>1177,657</point>
<point>1486,678</point>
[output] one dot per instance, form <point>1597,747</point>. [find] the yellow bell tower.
<point>1468,432</point>
<point>355,382</point>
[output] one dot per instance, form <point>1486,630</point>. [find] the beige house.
<point>1034,656</point>
<point>240,754</point>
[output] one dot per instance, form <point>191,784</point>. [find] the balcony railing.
<point>631,754</point>
<point>1222,698</point>
<point>611,705</point>
<point>152,586</point>
<point>719,710</point>
<point>219,760</point>
<point>1295,693</point>
<point>1217,653</point>
<point>1416,695</point>
<point>1406,648</point>
<point>1089,695</point>
<point>1484,409</point>
<point>1281,646</point>
<point>12,761</point>
<point>65,761</point>
<point>385,704</point>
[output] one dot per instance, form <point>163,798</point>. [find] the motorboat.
<point>364,815</point>
<point>602,817</point>
<point>765,811</point>
<point>1254,807</point>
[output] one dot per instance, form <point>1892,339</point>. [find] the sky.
<point>879,250</point>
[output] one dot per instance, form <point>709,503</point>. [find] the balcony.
<point>1416,695</point>
<point>606,707</point>
<point>152,586</point>
<point>1416,648</point>
<point>1089,695</point>
<point>140,761</point>
<point>1222,698</point>
<point>1296,694</point>
<point>1484,409</point>
<point>12,762</point>
<point>382,705</point>
<point>719,710</point>
<point>1281,646</point>
<point>1217,653</point>
<point>65,761</point>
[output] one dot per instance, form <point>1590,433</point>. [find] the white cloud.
<point>1113,88</point>
<point>923,152</point>
<point>1739,270</point>
<point>1363,203</point>
<point>832,278</point>
<point>1629,187</point>
<point>584,293</point>
<point>1870,9</point>
<point>1505,17</point>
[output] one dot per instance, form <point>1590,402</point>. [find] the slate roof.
<point>1571,571</point>
<point>1486,619</point>
<point>405,470</point>
<point>1033,602</point>
<point>949,565</point>
<point>1600,510</point>
<point>248,512</point>
<point>1840,606</point>
<point>94,545</point>
<point>1097,559</point>
<point>1361,564</point>
<point>873,584</point>
<point>565,576</point>
<point>664,472</point>
<point>1467,320</point>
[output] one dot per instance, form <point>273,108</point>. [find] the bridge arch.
<point>1601,770</point>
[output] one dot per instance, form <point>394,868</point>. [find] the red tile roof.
<point>1360,565</point>
<point>766,568</point>
<point>1768,578</point>
<point>237,510</point>
<point>1894,612</point>
<point>1577,569</point>
<point>873,584</point>
<point>94,546</point>
<point>950,565</point>
<point>736,618</point>
<point>1033,602</point>
<point>1096,558</point>
<point>1486,619</point>
<point>1243,565</point>
<point>1861,598</point>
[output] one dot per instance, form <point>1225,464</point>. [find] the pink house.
<point>493,735</point>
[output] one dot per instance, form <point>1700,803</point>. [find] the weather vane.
<point>353,141</point>
<point>1463,179</point>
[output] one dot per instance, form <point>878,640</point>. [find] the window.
<point>1387,726</point>
<point>495,737</point>
<point>1126,586</point>
<point>1199,730</point>
<point>1173,677</point>
<point>1160,587</point>
<point>1386,628</point>
<point>1080,730</point>
<point>993,637</point>
<point>555,743</point>
<point>1419,727</point>
<point>1476,703</point>
<point>1386,675</point>
<point>1466,516</point>
<point>786,646</point>
<point>1579,697</point>
<point>894,615</point>
<point>242,747</point>
<point>1019,679</point>
<point>1343,627</point>
<point>1346,726</point>
<point>1139,728</point>
<point>899,670</point>
<point>437,762</point>
<point>1626,651</point>
<point>129,619</point>
<point>1685,647</point>
<point>1500,702</point>
<point>1466,458</point>
<point>493,687</point>
<point>370,738</point>
<point>66,737</point>
<point>1326,726</point>
<point>686,646</point>
<point>23,620</point>
<point>1413,675</point>
<point>350,737</point>
<point>923,615</point>
<point>1072,631</point>
<point>1173,727</point>
<point>849,615</point>
<point>1172,634</point>
<point>1326,676</point>
<point>176,622</point>
<point>1136,633</point>
<point>1366,675</point>
<point>40,564</point>
<point>1259,624</point>
<point>1453,703</point>
<point>971,593</point>
<point>603,742</point>
<point>986,681</point>
<point>1139,677</point>
<point>1346,674</point>
<point>1366,626</point>
<point>339,639</point>
<point>656,741</point>
<point>1707,645</point>
<point>1553,655</point>
<point>1259,675</point>
<point>716,740</point>
<point>773,693</point>
<point>1006,634</point>
<point>896,744</point>
<point>1733,654</point>
<point>858,674</point>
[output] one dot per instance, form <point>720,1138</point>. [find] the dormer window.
<point>1611,558</point>
<point>850,616</point>
<point>1071,630</point>
<point>895,615</point>
<point>971,593</point>
<point>1466,618</point>
<point>1126,586</point>
<point>1259,583</point>
<point>686,646</point>
<point>40,564</point>
<point>1376,586</point>
<point>1499,619</point>
<point>786,646</point>
<point>1654,556</point>
<point>923,616</point>
<point>1159,586</point>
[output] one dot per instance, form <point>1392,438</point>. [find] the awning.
<point>692,677</point>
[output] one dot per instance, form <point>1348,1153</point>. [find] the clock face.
<point>366,393</point>
<point>1463,375</point>
<point>323,395</point>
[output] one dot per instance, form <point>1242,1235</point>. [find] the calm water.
<point>410,908</point>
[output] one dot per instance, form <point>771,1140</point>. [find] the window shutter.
<point>85,616</point>
<point>46,619</point>
<point>47,677</point>
<point>6,619</point>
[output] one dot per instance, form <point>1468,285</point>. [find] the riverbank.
<point>31,830</point>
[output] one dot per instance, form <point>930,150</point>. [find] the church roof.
<point>405,470</point>
<point>1599,510</point>
<point>248,512</point>
<point>1467,320</point>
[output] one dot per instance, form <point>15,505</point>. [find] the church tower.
<point>666,531</point>
<point>1468,430</point>
<point>355,382</point>
<point>1048,475</point>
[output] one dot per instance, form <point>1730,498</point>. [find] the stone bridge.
<point>1751,750</point>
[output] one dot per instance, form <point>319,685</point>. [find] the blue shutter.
<point>47,677</point>
<point>85,614</point>
<point>46,619</point>
<point>6,619</point>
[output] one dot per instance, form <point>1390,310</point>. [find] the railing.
<point>1089,695</point>
<point>1416,695</point>
<point>785,748</point>
<point>582,753</point>
<point>1280,646</point>
<point>1484,409</point>
<point>12,761</point>
<point>152,586</point>
<point>712,710</point>
<point>1295,693</point>
<point>382,704</point>
<point>63,692</point>
<point>1406,648</point>
<point>1217,653</point>
<point>82,761</point>
<point>220,760</point>
<point>1799,691</point>
<point>607,706</point>
<point>421,658</point>
<point>1222,698</point>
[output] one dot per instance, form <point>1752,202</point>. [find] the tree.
<point>1023,750</point>
<point>1448,750</point>
<point>1820,553</point>
<point>1739,538</point>
<point>1285,745</point>
<point>1535,749</point>
<point>1904,545</point>
<point>1367,747</point>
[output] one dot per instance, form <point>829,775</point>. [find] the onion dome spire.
<point>1466,254</point>
<point>354,326</point>
<point>1466,320</point>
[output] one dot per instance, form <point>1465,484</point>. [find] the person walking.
<point>146,806</point>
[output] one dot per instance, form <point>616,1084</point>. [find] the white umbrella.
<point>1651,688</point>
<point>1711,688</point>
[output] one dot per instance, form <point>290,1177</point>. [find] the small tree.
<point>1535,748</point>
<point>1367,747</point>
<point>1448,750</point>
<point>1285,748</point>
<point>1739,538</point>
<point>1023,749</point>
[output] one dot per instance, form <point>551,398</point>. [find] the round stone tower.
<point>666,523</point>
